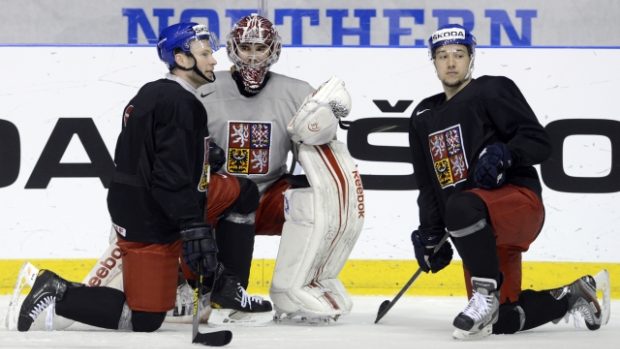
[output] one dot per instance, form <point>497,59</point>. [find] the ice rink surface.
<point>414,322</point>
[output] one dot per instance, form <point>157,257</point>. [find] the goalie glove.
<point>316,120</point>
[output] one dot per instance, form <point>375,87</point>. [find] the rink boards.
<point>62,107</point>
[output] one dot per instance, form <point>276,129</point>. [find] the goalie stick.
<point>387,305</point>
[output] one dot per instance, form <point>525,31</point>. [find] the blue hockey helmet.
<point>178,37</point>
<point>451,34</point>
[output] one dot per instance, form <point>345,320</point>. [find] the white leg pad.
<point>322,225</point>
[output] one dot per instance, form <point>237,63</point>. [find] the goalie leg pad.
<point>322,225</point>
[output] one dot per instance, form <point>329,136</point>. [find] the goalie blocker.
<point>322,222</point>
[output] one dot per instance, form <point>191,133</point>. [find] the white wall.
<point>69,218</point>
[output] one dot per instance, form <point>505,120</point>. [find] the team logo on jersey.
<point>249,146</point>
<point>203,183</point>
<point>127,114</point>
<point>448,155</point>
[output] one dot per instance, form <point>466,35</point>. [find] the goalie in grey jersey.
<point>259,117</point>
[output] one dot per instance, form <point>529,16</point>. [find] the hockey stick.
<point>387,305</point>
<point>214,339</point>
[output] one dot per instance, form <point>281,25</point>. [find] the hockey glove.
<point>490,171</point>
<point>199,248</point>
<point>424,242</point>
<point>217,157</point>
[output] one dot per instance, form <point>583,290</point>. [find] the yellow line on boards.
<point>361,277</point>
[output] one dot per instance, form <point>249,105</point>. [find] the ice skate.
<point>26,277</point>
<point>321,305</point>
<point>301,318</point>
<point>182,311</point>
<point>583,302</point>
<point>232,305</point>
<point>48,288</point>
<point>477,320</point>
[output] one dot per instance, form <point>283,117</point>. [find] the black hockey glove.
<point>199,248</point>
<point>217,157</point>
<point>490,171</point>
<point>424,242</point>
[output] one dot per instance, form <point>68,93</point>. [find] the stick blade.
<point>383,308</point>
<point>213,339</point>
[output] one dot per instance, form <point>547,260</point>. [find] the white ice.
<point>413,322</point>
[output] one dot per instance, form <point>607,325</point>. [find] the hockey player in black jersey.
<point>156,199</point>
<point>474,147</point>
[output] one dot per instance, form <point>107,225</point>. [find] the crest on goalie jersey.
<point>448,154</point>
<point>249,147</point>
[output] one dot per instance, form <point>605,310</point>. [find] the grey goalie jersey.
<point>252,130</point>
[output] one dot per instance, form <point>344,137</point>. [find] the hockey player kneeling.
<point>323,222</point>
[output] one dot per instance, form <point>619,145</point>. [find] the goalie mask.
<point>253,46</point>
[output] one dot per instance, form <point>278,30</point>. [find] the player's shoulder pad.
<point>426,104</point>
<point>494,85</point>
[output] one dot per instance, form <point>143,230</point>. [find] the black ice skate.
<point>48,288</point>
<point>582,301</point>
<point>477,320</point>
<point>231,304</point>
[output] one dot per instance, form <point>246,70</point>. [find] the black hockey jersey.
<point>160,162</point>
<point>446,138</point>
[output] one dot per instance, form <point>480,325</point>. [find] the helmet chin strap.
<point>210,80</point>
<point>470,70</point>
<point>196,70</point>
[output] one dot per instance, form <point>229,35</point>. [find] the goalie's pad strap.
<point>322,225</point>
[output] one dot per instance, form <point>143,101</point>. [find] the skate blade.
<point>229,317</point>
<point>26,276</point>
<point>468,336</point>
<point>604,290</point>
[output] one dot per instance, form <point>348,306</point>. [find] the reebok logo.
<point>359,190</point>
<point>107,265</point>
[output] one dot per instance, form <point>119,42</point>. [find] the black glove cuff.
<point>197,232</point>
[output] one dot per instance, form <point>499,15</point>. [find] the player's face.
<point>202,52</point>
<point>253,54</point>
<point>452,63</point>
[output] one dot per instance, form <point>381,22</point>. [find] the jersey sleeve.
<point>516,123</point>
